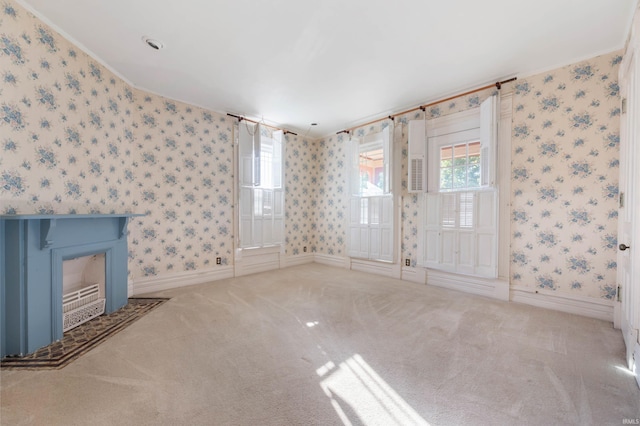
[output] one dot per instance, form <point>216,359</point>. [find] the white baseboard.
<point>586,306</point>
<point>379,268</point>
<point>416,275</point>
<point>252,263</point>
<point>180,279</point>
<point>299,259</point>
<point>327,259</point>
<point>489,287</point>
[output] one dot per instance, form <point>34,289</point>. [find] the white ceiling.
<point>334,62</point>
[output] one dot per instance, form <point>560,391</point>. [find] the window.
<point>371,169</point>
<point>371,219</point>
<point>460,166</point>
<point>460,207</point>
<point>261,191</point>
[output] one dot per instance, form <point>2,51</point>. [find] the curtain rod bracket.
<point>423,108</point>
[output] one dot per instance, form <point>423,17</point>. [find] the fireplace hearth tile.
<point>83,338</point>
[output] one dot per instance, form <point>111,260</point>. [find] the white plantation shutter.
<point>277,233</point>
<point>486,234</point>
<point>371,217</point>
<point>352,164</point>
<point>461,232</point>
<point>386,228</point>
<point>387,150</point>
<point>278,152</point>
<point>248,152</point>
<point>417,156</point>
<point>261,186</point>
<point>488,140</point>
<point>432,206</point>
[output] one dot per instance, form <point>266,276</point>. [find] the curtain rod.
<point>498,85</point>
<point>240,118</point>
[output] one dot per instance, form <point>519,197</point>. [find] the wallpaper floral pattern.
<point>76,138</point>
<point>299,185</point>
<point>565,152</point>
<point>329,200</point>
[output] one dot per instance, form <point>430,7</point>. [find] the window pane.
<point>446,178</point>
<point>371,165</point>
<point>460,155</point>
<point>446,154</point>
<point>474,176</point>
<point>474,148</point>
<point>459,177</point>
<point>460,166</point>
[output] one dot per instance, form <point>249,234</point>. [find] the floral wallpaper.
<point>565,179</point>
<point>74,138</point>
<point>329,199</point>
<point>299,185</point>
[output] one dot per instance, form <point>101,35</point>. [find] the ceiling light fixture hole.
<point>153,43</point>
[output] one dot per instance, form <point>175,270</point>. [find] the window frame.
<point>455,248</point>
<point>261,193</point>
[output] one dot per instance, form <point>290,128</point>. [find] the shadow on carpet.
<point>83,338</point>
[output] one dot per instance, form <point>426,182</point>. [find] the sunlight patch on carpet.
<point>360,396</point>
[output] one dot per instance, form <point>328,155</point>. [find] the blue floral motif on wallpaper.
<point>75,138</point>
<point>88,127</point>
<point>575,182</point>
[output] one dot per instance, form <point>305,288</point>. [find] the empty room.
<point>339,213</point>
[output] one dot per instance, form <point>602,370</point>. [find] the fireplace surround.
<point>32,251</point>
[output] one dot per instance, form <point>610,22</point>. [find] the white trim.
<point>505,116</point>
<point>295,260</point>
<point>415,275</point>
<point>386,269</point>
<point>180,279</point>
<point>586,306</point>
<point>260,260</point>
<point>489,287</point>
<point>331,260</point>
<point>636,362</point>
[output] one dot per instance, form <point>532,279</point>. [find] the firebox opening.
<point>83,289</point>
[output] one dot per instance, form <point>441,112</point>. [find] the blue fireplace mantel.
<point>32,249</point>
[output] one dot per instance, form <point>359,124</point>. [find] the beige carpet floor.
<point>314,345</point>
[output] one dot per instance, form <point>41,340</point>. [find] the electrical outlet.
<point>218,261</point>
<point>304,249</point>
<point>407,262</point>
